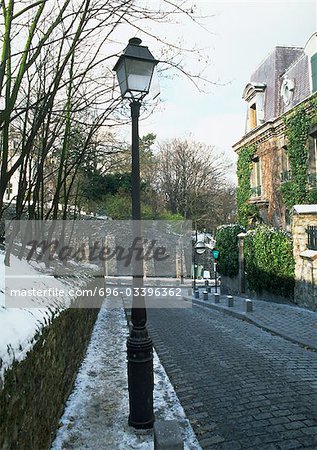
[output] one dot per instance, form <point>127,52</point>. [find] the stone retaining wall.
<point>305,259</point>
<point>35,390</point>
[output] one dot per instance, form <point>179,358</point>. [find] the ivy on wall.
<point>244,169</point>
<point>298,124</point>
<point>268,253</point>
<point>269,262</point>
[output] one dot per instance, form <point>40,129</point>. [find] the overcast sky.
<point>241,35</point>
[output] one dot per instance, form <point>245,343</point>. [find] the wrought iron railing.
<point>312,237</point>
<point>312,179</point>
<point>256,191</point>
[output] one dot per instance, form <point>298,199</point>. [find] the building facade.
<point>284,81</point>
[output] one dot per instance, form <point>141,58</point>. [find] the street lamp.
<point>135,69</point>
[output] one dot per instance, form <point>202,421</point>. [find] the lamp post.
<point>199,248</point>
<point>135,68</point>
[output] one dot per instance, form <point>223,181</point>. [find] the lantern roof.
<point>136,51</point>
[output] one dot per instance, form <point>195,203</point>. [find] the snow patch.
<point>20,327</point>
<point>96,413</point>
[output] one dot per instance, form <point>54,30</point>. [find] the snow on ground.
<point>96,413</point>
<point>18,326</point>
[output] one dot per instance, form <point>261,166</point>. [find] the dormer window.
<point>253,94</point>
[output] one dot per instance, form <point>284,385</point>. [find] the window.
<point>9,191</point>
<point>285,166</point>
<point>312,160</point>
<point>312,237</point>
<point>252,115</point>
<point>314,71</point>
<point>256,177</point>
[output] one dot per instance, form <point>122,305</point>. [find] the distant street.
<point>241,387</point>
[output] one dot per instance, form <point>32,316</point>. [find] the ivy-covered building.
<point>277,156</point>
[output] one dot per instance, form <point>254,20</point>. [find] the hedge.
<point>269,262</point>
<point>227,243</point>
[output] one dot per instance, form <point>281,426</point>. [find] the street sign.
<point>216,254</point>
<point>200,247</point>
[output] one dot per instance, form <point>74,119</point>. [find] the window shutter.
<point>314,71</point>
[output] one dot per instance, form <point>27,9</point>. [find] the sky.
<point>239,36</point>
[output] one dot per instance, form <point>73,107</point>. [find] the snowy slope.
<point>18,326</point>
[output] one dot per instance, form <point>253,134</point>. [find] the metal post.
<point>182,262</point>
<point>139,344</point>
<point>195,262</point>
<point>215,270</point>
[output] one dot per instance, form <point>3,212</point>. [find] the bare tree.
<point>192,177</point>
<point>56,76</point>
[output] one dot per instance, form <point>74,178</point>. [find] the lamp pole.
<point>199,248</point>
<point>139,344</point>
<point>135,69</point>
<point>194,284</point>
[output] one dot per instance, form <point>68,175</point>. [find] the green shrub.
<point>269,262</point>
<point>227,244</point>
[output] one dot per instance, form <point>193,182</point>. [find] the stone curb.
<point>252,320</point>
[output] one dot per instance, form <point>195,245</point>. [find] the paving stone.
<point>263,416</point>
<point>294,425</point>
<point>277,428</point>
<point>310,430</point>
<point>290,445</point>
<point>233,445</point>
<point>308,441</point>
<point>310,422</point>
<point>281,413</point>
<point>279,420</point>
<point>212,440</point>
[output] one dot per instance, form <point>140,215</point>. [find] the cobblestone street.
<point>241,387</point>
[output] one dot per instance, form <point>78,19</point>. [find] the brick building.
<point>285,79</point>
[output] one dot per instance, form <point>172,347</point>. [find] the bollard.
<point>217,298</point>
<point>205,295</point>
<point>230,301</point>
<point>248,305</point>
<point>209,289</point>
<point>190,291</point>
<point>197,293</point>
<point>167,435</point>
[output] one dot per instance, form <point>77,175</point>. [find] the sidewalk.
<point>291,322</point>
<point>96,413</point>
